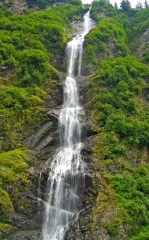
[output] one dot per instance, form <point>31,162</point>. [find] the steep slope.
<point>29,88</point>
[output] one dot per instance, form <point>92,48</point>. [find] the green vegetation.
<point>13,164</point>
<point>118,32</point>
<point>107,38</point>
<point>120,115</point>
<point>117,49</point>
<point>143,234</point>
<point>117,105</point>
<point>42,4</point>
<point>28,45</point>
<point>119,108</point>
<point>132,195</point>
<point>5,205</point>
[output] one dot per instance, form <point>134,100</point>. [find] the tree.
<point>139,6</point>
<point>146,4</point>
<point>116,6</point>
<point>125,5</point>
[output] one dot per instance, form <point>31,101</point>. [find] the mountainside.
<point>114,89</point>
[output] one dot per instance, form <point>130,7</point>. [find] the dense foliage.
<point>122,124</point>
<point>37,4</point>
<point>118,107</point>
<point>118,32</point>
<point>27,44</point>
<point>117,104</point>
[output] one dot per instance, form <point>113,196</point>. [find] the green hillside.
<point>118,107</point>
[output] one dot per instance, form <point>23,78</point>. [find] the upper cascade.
<point>75,47</point>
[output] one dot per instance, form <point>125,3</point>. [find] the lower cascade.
<point>65,185</point>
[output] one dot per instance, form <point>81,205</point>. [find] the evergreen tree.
<point>146,4</point>
<point>116,6</point>
<point>125,5</point>
<point>139,6</point>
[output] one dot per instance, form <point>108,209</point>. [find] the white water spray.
<point>65,185</point>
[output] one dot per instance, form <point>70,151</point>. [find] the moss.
<point>13,165</point>
<point>4,226</point>
<point>5,230</point>
<point>14,160</point>
<point>6,207</point>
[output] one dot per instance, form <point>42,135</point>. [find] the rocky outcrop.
<point>17,6</point>
<point>29,235</point>
<point>34,141</point>
<point>143,45</point>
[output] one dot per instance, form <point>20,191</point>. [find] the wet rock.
<point>82,83</point>
<point>90,128</point>
<point>33,140</point>
<point>18,220</point>
<point>7,232</point>
<point>26,235</point>
<point>78,27</point>
<point>88,181</point>
<point>62,76</point>
<point>82,117</point>
<point>80,185</point>
<point>24,223</point>
<point>45,142</point>
<point>54,113</point>
<point>87,146</point>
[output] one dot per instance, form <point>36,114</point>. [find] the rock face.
<point>17,6</point>
<point>34,141</point>
<point>143,45</point>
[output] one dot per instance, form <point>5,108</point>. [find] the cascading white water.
<point>65,185</point>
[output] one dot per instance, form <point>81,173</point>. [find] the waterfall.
<point>65,185</point>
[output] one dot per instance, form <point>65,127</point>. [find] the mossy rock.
<point>6,207</point>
